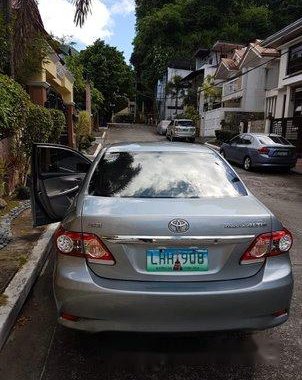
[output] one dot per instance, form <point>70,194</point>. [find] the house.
<point>283,96</point>
<point>52,87</point>
<point>209,92</point>
<point>243,78</point>
<point>169,105</point>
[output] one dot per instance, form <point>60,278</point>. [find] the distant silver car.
<point>162,126</point>
<point>260,150</point>
<point>181,129</point>
<point>160,237</point>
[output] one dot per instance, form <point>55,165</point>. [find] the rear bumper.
<point>112,305</point>
<point>183,135</point>
<point>264,161</point>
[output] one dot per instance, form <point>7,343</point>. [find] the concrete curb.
<point>100,146</point>
<point>213,146</point>
<point>21,284</point>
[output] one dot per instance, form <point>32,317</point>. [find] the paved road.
<point>40,349</point>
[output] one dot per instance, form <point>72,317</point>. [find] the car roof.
<point>261,134</point>
<point>158,147</point>
<point>183,119</point>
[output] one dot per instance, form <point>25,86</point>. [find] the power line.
<point>246,72</point>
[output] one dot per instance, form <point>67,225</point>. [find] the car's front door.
<point>232,148</point>
<point>57,174</point>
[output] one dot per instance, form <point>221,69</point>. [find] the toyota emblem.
<point>179,225</point>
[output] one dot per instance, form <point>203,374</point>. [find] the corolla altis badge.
<point>178,225</point>
<point>246,225</point>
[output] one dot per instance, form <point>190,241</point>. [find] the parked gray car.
<point>260,150</point>
<point>160,237</point>
<point>181,129</point>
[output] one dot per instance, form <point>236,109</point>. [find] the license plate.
<point>282,154</point>
<point>177,260</point>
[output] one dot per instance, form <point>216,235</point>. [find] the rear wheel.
<point>247,163</point>
<point>192,140</point>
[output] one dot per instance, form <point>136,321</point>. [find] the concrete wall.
<point>254,93</point>
<point>272,76</point>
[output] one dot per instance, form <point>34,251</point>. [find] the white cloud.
<point>123,7</point>
<point>58,17</point>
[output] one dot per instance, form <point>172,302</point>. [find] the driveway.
<point>40,349</point>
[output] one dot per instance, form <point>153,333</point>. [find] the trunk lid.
<point>129,227</point>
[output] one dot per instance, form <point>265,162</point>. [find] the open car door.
<point>57,174</point>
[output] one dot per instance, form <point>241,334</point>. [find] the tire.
<point>192,140</point>
<point>247,163</point>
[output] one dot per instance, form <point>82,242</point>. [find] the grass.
<point>11,203</point>
<point>22,260</point>
<point>3,299</point>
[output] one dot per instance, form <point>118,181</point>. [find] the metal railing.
<point>232,86</point>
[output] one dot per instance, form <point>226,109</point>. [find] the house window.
<point>294,59</point>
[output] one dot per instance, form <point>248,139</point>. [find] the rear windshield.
<point>268,140</point>
<point>185,122</point>
<point>164,175</point>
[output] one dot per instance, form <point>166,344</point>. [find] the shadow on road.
<point>155,356</point>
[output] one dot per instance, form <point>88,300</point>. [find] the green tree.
<point>105,66</point>
<point>170,30</point>
<point>59,124</point>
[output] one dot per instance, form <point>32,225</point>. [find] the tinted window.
<point>295,59</point>
<point>185,122</point>
<point>236,140</point>
<point>56,160</point>
<point>268,140</point>
<point>164,175</point>
<point>246,140</point>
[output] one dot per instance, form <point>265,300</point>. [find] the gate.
<point>291,129</point>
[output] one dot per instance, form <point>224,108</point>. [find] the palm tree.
<point>83,7</point>
<point>25,24</point>
<point>176,89</point>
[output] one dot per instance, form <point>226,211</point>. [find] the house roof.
<point>265,52</point>
<point>225,47</point>
<point>193,75</point>
<point>284,35</point>
<point>229,63</point>
<point>201,53</point>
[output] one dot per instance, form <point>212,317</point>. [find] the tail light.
<point>267,245</point>
<point>83,245</point>
<point>263,150</point>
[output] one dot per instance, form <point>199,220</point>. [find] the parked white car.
<point>162,126</point>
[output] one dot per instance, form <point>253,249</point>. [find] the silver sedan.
<point>160,238</point>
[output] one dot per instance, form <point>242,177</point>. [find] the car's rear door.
<point>57,174</point>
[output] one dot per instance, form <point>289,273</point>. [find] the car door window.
<point>236,140</point>
<point>246,140</point>
<point>61,161</point>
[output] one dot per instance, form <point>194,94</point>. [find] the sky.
<point>110,20</point>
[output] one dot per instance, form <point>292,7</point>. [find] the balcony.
<point>232,89</point>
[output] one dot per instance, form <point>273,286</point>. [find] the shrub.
<point>22,192</point>
<point>14,106</point>
<point>59,124</point>
<point>125,118</point>
<point>38,127</point>
<point>83,128</point>
<point>224,136</point>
